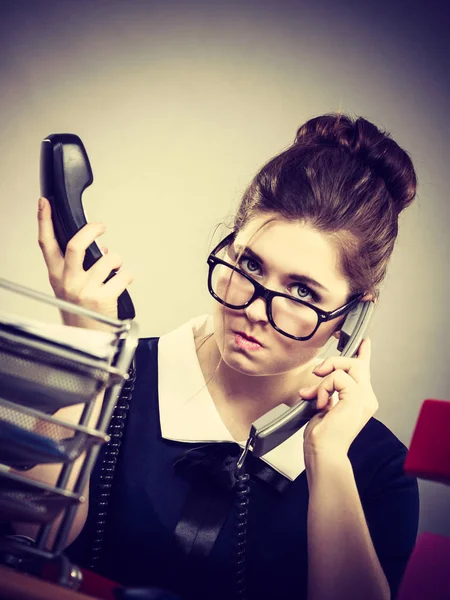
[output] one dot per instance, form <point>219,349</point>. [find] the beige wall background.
<point>179,104</point>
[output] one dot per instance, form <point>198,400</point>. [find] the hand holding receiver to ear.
<point>277,425</point>
<point>329,434</point>
<point>68,278</point>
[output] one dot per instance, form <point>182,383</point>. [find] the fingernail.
<point>305,389</point>
<point>41,203</point>
<point>318,367</point>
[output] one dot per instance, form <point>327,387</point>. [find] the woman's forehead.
<point>293,247</point>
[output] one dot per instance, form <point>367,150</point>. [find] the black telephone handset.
<point>65,174</point>
<point>281,422</point>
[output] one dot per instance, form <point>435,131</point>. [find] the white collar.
<point>187,411</point>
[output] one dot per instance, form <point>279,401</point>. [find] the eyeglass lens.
<point>235,290</point>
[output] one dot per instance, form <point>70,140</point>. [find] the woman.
<point>331,513</point>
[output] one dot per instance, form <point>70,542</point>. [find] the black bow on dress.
<point>212,470</point>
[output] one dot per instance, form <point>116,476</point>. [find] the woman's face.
<point>280,250</point>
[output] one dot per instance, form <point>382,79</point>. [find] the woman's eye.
<point>304,292</point>
<point>249,264</point>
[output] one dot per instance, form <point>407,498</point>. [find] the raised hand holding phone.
<point>67,276</point>
<point>84,276</point>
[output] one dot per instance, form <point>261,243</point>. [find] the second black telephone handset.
<point>65,174</point>
<point>281,422</point>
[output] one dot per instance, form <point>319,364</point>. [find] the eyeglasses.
<point>291,317</point>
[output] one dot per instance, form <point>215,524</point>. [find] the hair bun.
<point>369,145</point>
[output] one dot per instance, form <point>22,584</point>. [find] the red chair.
<point>427,575</point>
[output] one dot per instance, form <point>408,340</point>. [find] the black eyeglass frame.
<point>268,295</point>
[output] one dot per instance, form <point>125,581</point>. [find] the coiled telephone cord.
<point>242,502</point>
<point>108,465</point>
<point>107,468</point>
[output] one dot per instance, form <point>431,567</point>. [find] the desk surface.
<point>20,586</point>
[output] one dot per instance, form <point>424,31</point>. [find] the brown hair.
<point>346,178</point>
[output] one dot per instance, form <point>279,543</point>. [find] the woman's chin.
<point>244,364</point>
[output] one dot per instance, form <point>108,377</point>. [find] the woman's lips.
<point>246,342</point>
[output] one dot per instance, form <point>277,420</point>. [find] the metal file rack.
<point>39,374</point>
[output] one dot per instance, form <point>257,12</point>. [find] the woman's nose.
<point>257,311</point>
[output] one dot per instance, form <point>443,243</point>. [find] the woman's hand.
<point>68,278</point>
<point>330,433</point>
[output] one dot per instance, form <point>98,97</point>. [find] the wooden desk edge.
<point>15,585</point>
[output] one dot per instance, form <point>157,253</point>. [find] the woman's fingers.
<point>66,272</point>
<point>365,350</point>
<point>117,284</point>
<point>101,269</point>
<point>358,368</point>
<point>338,423</point>
<point>77,246</point>
<point>47,241</point>
<point>70,281</point>
<point>96,294</point>
<point>338,381</point>
<point>96,284</point>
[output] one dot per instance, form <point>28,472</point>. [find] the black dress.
<point>171,521</point>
